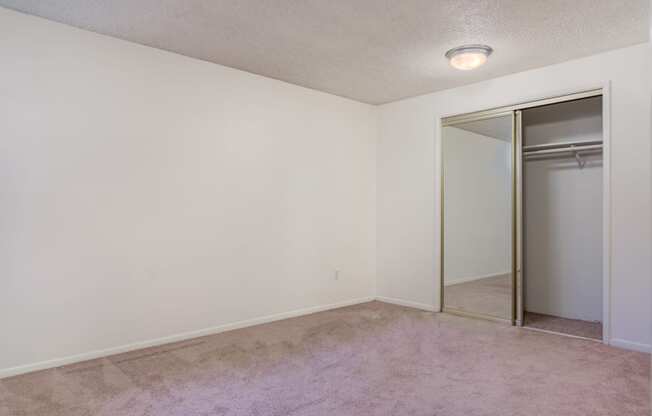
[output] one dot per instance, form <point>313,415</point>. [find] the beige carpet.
<point>576,327</point>
<point>371,359</point>
<point>488,296</point>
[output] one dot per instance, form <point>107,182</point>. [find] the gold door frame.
<point>517,214</point>
<point>518,287</point>
<point>449,122</point>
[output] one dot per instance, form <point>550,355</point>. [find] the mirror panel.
<point>477,204</point>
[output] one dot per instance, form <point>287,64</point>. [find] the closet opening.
<point>562,218</point>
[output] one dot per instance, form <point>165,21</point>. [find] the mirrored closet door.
<point>478,215</point>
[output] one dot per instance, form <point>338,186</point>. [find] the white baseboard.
<point>629,345</point>
<point>472,278</point>
<point>57,362</point>
<point>407,303</point>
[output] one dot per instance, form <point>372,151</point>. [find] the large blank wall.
<point>145,194</point>
<point>408,201</point>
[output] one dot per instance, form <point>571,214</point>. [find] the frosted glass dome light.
<point>468,57</point>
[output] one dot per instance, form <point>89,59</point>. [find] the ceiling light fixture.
<point>468,57</point>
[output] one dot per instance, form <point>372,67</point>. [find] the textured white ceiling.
<point>373,51</point>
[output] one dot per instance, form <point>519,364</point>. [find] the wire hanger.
<point>580,162</point>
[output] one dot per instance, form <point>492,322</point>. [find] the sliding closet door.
<point>478,216</point>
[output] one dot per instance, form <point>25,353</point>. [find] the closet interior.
<point>562,187</point>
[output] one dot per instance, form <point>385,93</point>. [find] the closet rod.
<point>560,144</point>
<point>569,149</point>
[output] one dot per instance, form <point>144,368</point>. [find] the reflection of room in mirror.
<point>477,182</point>
<point>486,295</point>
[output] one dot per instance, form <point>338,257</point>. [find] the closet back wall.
<point>145,194</point>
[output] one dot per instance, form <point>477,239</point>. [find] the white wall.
<point>477,206</point>
<point>145,194</point>
<point>407,193</point>
<point>563,214</point>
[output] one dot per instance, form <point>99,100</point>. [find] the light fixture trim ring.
<point>484,49</point>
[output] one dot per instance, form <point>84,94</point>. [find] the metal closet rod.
<point>570,149</point>
<point>562,146</point>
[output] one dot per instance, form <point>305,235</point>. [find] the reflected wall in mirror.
<point>477,224</point>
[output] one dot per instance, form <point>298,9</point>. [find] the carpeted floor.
<point>369,359</point>
<point>576,327</point>
<point>488,296</point>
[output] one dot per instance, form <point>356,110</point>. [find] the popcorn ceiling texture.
<point>368,359</point>
<point>375,51</point>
